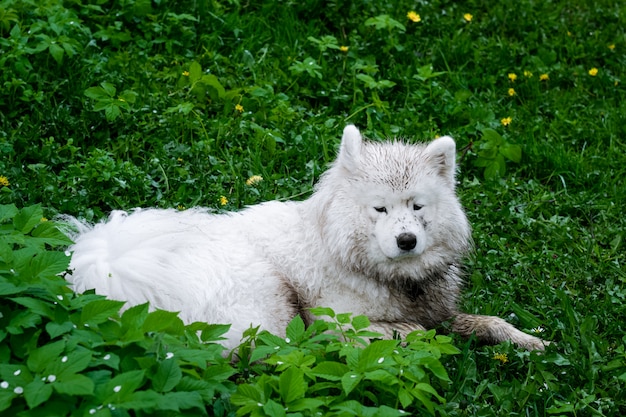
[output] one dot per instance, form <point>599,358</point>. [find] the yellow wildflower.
<point>512,77</point>
<point>254,180</point>
<point>502,357</point>
<point>468,17</point>
<point>528,74</point>
<point>43,219</point>
<point>544,77</point>
<point>414,17</point>
<point>343,48</point>
<point>186,73</point>
<point>612,47</point>
<point>511,92</point>
<point>506,121</point>
<point>223,201</point>
<point>239,108</point>
<point>593,71</point>
<point>4,181</point>
<point>181,207</point>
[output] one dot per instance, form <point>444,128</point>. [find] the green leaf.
<point>112,112</point>
<point>350,380</point>
<point>35,305</point>
<point>97,93</point>
<point>39,358</point>
<point>195,72</point>
<point>56,329</point>
<point>323,311</point>
<point>214,332</point>
<point>295,329</point>
<point>183,401</point>
<point>100,310</point>
<point>291,384</point>
<point>160,320</point>
<point>57,52</point>
<point>47,232</point>
<point>48,264</point>
<point>167,376</point>
<point>511,152</point>
<point>272,408</point>
<point>360,322</point>
<point>212,81</point>
<point>376,354</point>
<point>333,371</point>
<point>109,89</point>
<point>27,218</point>
<point>37,392</point>
<point>492,137</point>
<point>74,384</point>
<point>7,211</point>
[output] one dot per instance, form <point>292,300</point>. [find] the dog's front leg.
<point>494,330</point>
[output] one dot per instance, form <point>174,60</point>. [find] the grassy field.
<point>108,105</point>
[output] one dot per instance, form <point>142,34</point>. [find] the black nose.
<point>406,241</point>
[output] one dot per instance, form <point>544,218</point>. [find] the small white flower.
<point>60,297</point>
<point>169,355</point>
<point>92,411</point>
<point>52,378</point>
<point>107,357</point>
<point>259,404</point>
<point>538,329</point>
<point>16,373</point>
<point>64,359</point>
<point>287,340</point>
<point>279,362</point>
<point>4,385</point>
<point>18,390</point>
<point>381,360</point>
<point>117,388</point>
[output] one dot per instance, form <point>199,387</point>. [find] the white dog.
<point>382,235</point>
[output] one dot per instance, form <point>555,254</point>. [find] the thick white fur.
<point>340,249</point>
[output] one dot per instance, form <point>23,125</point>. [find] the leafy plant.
<point>328,368</point>
<point>70,354</point>
<point>107,101</point>
<point>493,151</point>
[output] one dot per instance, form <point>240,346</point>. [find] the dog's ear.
<point>350,151</point>
<point>442,152</point>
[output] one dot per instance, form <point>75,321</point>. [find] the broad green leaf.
<point>350,380</point>
<point>376,354</point>
<point>214,332</point>
<point>97,93</point>
<point>272,408</point>
<point>332,371</point>
<point>160,320</point>
<point>511,152</point>
<point>112,112</point>
<point>7,211</point>
<point>135,316</point>
<point>167,376</point>
<point>6,397</point>
<point>360,322</point>
<point>35,305</point>
<point>291,384</point>
<point>182,401</point>
<point>100,310</point>
<point>39,358</point>
<point>322,311</point>
<point>492,137</point>
<point>295,329</point>
<point>48,233</point>
<point>74,384</point>
<point>121,386</point>
<point>49,264</point>
<point>195,72</point>
<point>27,218</point>
<point>109,89</point>
<point>147,400</point>
<point>37,392</point>
<point>212,81</point>
<point>57,52</point>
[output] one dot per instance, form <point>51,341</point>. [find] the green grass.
<point>108,105</point>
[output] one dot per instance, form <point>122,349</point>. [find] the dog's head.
<point>394,206</point>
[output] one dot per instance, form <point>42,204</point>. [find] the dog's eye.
<point>381,209</point>
<point>417,207</point>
